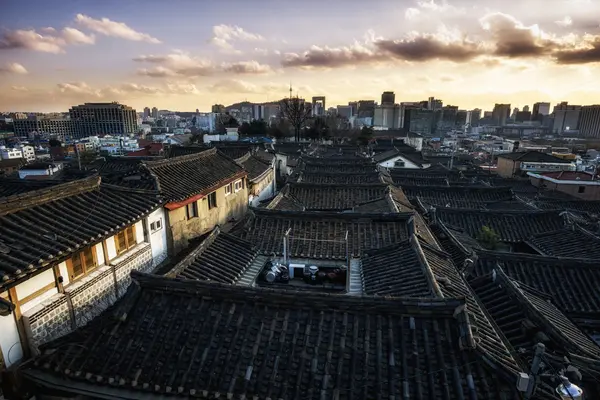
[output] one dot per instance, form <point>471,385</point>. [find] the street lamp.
<point>569,391</point>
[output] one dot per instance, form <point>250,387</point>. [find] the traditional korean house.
<point>457,196</point>
<point>216,340</point>
<point>66,251</point>
<point>261,176</point>
<point>201,190</point>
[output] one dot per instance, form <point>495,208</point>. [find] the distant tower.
<point>290,90</point>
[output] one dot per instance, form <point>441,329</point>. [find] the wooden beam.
<point>12,294</point>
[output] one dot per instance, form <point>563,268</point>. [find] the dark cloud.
<point>426,48</point>
<point>580,56</point>
<point>328,57</point>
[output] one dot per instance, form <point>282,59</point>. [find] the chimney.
<point>410,226</point>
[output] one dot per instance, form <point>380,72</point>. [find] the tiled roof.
<point>182,177</point>
<point>13,187</point>
<point>456,195</point>
<point>517,185</point>
<point>40,227</point>
<point>127,172</point>
<point>321,235</point>
<point>12,162</point>
<point>415,269</point>
<point>572,283</point>
<point>527,316</point>
<point>510,226</point>
<point>236,151</point>
<point>569,175</point>
<point>219,258</point>
<point>533,156</point>
<point>339,178</point>
<point>455,242</point>
<point>334,166</point>
<point>256,167</point>
<point>335,197</point>
<point>573,243</point>
<point>188,339</point>
<point>591,208</point>
<point>178,151</point>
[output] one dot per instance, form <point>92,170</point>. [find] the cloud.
<point>588,52</point>
<point>180,64</point>
<point>82,90</point>
<point>412,13</point>
<point>13,68</point>
<point>75,36</point>
<point>330,57</point>
<point>108,27</point>
<point>566,21</point>
<point>19,88</point>
<point>233,86</point>
<point>224,35</point>
<point>427,47</point>
<point>52,42</point>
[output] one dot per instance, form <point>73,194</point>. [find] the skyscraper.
<point>388,98</point>
<point>146,112</point>
<point>318,105</point>
<point>539,110</point>
<point>154,112</point>
<point>473,117</point>
<point>566,117</point>
<point>500,114</point>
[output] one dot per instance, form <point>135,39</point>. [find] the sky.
<point>189,54</point>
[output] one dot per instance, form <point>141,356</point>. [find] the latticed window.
<point>125,239</point>
<point>82,262</point>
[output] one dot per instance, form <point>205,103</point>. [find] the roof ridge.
<point>180,159</point>
<point>332,215</point>
<point>47,194</point>
<point>563,261</point>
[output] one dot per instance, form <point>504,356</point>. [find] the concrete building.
<point>155,113</point>
<point>519,163</point>
<point>53,125</point>
<point>579,184</point>
<point>103,118</point>
<point>540,110</point>
<point>366,109</point>
<point>523,116</point>
<point>9,153</point>
<point>500,114</point>
<point>387,116</point>
<point>146,112</point>
<point>448,118</point>
<point>388,98</point>
<point>40,169</point>
<point>419,120</point>
<point>473,117</point>
<point>345,111</point>
<point>589,122</point>
<point>318,106</point>
<point>434,104</point>
<point>566,117</point>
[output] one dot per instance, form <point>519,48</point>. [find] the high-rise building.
<point>473,117</point>
<point>366,109</point>
<point>539,110</point>
<point>523,116</point>
<point>461,119</point>
<point>51,125</point>
<point>526,108</point>
<point>589,122</point>
<point>434,104</point>
<point>387,116</point>
<point>218,108</point>
<point>103,118</point>
<point>513,116</point>
<point>154,112</point>
<point>500,114</point>
<point>318,105</point>
<point>448,117</point>
<point>146,112</point>
<point>388,98</point>
<point>345,111</point>
<point>566,117</point>
<point>419,120</point>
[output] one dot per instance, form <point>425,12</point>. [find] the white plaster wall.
<point>9,336</point>
<point>111,249</point>
<point>64,272</point>
<point>139,232</point>
<point>34,284</point>
<point>158,239</point>
<point>100,253</point>
<point>38,300</point>
<point>390,163</point>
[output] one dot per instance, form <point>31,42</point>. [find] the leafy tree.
<point>225,121</point>
<point>258,127</point>
<point>244,129</point>
<point>365,136</point>
<point>488,238</point>
<point>297,112</point>
<point>276,132</point>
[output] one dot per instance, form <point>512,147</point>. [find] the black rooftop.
<point>188,338</point>
<point>533,156</point>
<point>574,243</point>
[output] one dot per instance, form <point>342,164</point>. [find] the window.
<point>125,239</point>
<point>399,163</point>
<point>156,225</point>
<point>581,189</point>
<point>191,210</point>
<point>238,185</point>
<point>212,200</point>
<point>81,263</point>
<point>228,189</point>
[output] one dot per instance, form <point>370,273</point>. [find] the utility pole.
<point>535,367</point>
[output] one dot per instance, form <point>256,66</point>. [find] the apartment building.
<point>589,121</point>
<point>53,125</point>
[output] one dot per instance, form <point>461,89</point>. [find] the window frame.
<point>212,200</point>
<point>581,189</point>
<point>191,210</point>
<point>228,189</point>
<point>156,226</point>
<point>85,268</point>
<point>128,245</point>
<point>236,183</point>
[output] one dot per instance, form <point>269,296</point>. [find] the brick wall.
<point>84,299</point>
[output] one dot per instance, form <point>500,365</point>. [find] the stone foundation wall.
<point>85,299</point>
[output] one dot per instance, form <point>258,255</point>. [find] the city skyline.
<point>193,54</point>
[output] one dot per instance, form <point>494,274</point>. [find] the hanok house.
<point>66,252</point>
<point>202,190</point>
<point>214,340</point>
<point>261,176</point>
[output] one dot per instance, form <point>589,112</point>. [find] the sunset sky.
<point>188,54</point>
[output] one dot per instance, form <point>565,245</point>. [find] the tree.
<point>244,129</point>
<point>297,111</point>
<point>319,129</point>
<point>224,121</point>
<point>366,133</point>
<point>258,127</point>
<point>488,238</point>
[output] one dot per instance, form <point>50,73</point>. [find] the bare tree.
<point>297,112</point>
